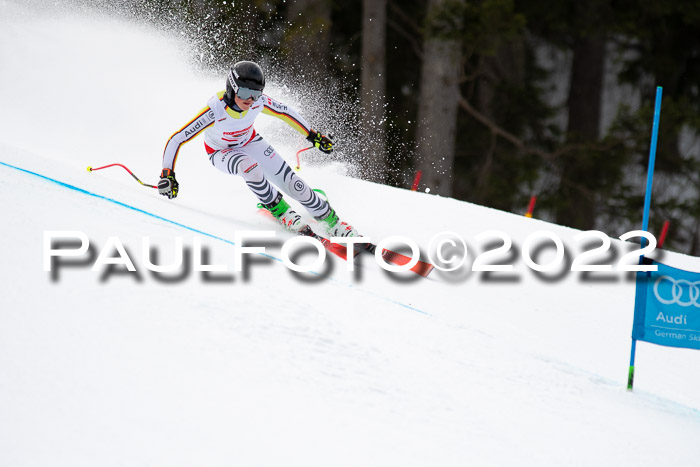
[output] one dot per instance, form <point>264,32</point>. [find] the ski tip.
<point>89,169</point>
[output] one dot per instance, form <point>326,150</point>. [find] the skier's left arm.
<point>292,118</point>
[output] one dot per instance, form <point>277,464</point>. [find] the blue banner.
<point>667,307</point>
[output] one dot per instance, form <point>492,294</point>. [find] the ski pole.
<point>298,167</point>
<point>92,169</point>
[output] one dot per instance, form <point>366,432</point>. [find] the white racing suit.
<point>235,148</point>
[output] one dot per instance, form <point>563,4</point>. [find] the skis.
<point>421,268</point>
<point>335,248</point>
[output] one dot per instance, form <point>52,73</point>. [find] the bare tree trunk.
<point>578,207</point>
<point>507,65</point>
<point>373,91</point>
<point>307,39</point>
<point>437,109</point>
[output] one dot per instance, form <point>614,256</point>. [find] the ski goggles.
<point>247,93</point>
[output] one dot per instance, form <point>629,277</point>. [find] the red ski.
<point>421,268</point>
<point>335,248</point>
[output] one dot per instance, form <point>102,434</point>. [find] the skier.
<point>234,147</point>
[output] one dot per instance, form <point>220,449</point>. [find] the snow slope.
<point>271,367</point>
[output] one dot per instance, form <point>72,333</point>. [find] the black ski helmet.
<point>247,75</point>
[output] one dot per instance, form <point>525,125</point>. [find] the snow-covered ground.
<point>269,367</point>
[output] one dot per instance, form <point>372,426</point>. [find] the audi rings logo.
<point>683,292</point>
<point>299,185</point>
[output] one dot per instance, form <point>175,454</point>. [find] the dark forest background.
<point>494,100</point>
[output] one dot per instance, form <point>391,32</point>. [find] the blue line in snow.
<point>111,200</point>
<point>170,221</point>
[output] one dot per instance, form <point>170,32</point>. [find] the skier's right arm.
<point>168,185</point>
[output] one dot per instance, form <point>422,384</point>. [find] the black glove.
<point>168,186</point>
<point>322,142</point>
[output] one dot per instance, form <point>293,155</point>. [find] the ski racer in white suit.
<point>235,148</point>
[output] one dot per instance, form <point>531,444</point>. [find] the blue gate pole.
<point>647,206</point>
<point>652,160</point>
